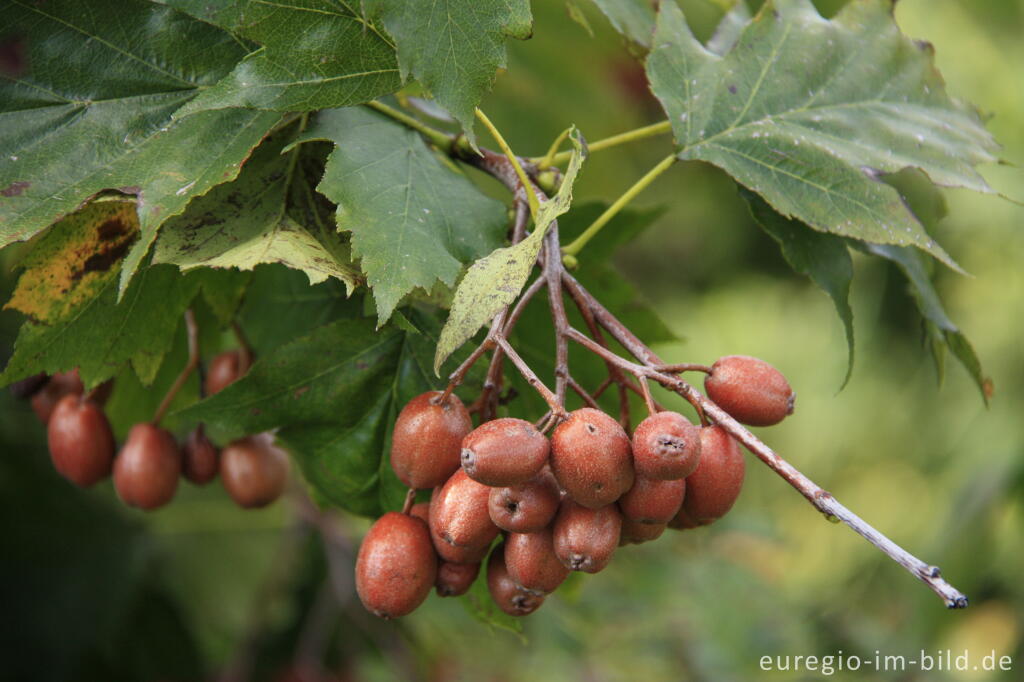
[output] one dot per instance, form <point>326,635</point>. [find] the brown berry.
<point>590,457</point>
<point>80,440</point>
<point>455,579</point>
<point>585,538</point>
<point>666,446</point>
<point>147,468</point>
<point>253,470</point>
<point>421,510</point>
<point>526,507</point>
<point>458,555</point>
<point>29,386</point>
<point>224,369</point>
<point>750,390</point>
<point>427,439</point>
<point>532,563</point>
<point>637,532</point>
<point>653,501</point>
<point>396,566</point>
<point>510,597</point>
<point>504,452</point>
<point>712,489</point>
<point>458,512</point>
<point>199,463</point>
<point>45,399</point>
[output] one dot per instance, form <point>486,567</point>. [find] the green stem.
<point>514,160</point>
<point>613,141</point>
<point>577,245</point>
<point>553,150</point>
<point>440,139</point>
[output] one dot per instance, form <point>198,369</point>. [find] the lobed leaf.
<point>809,113</point>
<point>634,19</point>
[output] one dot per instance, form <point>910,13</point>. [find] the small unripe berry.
<point>666,446</point>
<point>455,579</point>
<point>396,566</point>
<point>200,457</point>
<point>750,390</point>
<point>584,538</point>
<point>224,369</point>
<point>504,452</point>
<point>526,507</point>
<point>637,532</point>
<point>253,470</point>
<point>510,598</point>
<point>427,439</point>
<point>532,563</point>
<point>712,489</point>
<point>653,501</point>
<point>591,458</point>
<point>80,440</point>
<point>458,513</point>
<point>147,468</point>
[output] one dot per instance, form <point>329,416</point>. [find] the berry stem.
<point>410,500</point>
<point>192,332</point>
<point>531,378</point>
<point>439,139</point>
<point>513,159</point>
<point>608,142</point>
<point>683,367</point>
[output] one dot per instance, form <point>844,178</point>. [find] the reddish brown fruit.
<point>81,442</point>
<point>427,439</point>
<point>396,566</point>
<point>750,390</point>
<point>45,399</point>
<point>635,532</point>
<point>712,489</point>
<point>532,563</point>
<point>455,579</point>
<point>421,510</point>
<point>458,513</point>
<point>224,369</point>
<point>147,468</point>
<point>253,470</point>
<point>458,555</point>
<point>666,446</point>
<point>29,386</point>
<point>510,598</point>
<point>527,507</point>
<point>585,539</point>
<point>199,463</point>
<point>590,457</point>
<point>504,452</point>
<point>653,501</point>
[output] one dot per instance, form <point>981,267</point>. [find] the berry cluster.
<point>149,464</point>
<point>561,505</point>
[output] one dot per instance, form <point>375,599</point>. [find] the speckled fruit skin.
<point>396,567</point>
<point>750,390</point>
<point>532,563</point>
<point>458,513</point>
<point>253,470</point>
<point>427,439</point>
<point>147,468</point>
<point>666,446</point>
<point>527,507</point>
<point>421,510</point>
<point>636,532</point>
<point>45,399</point>
<point>510,598</point>
<point>455,579</point>
<point>224,369</point>
<point>199,457</point>
<point>80,440</point>
<point>591,458</point>
<point>585,539</point>
<point>712,489</point>
<point>504,452</point>
<point>653,501</point>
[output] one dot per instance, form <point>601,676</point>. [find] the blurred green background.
<point>200,589</point>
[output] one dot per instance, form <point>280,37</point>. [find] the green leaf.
<point>316,54</point>
<point>92,111</point>
<point>75,261</point>
<point>496,280</point>
<point>101,335</point>
<point>335,393</point>
<point>223,291</point>
<point>822,257</point>
<point>454,48</point>
<point>413,221</point>
<point>479,603</point>
<point>730,28</point>
<point>270,213</point>
<point>634,19</point>
<point>809,112</point>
